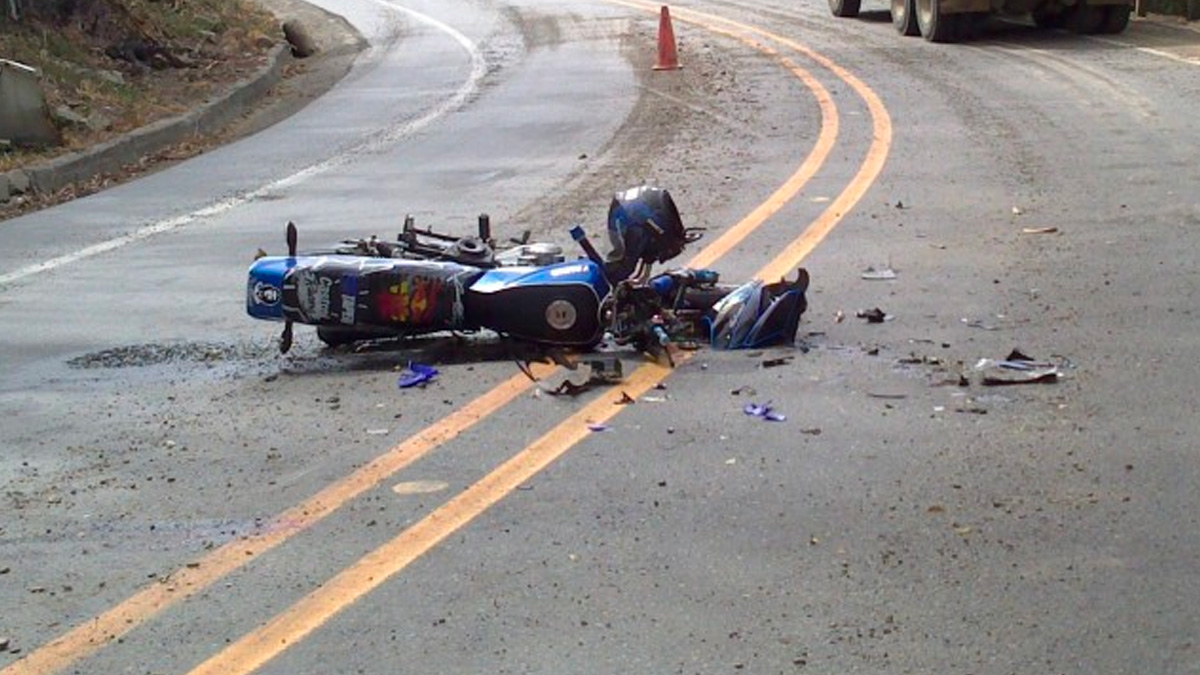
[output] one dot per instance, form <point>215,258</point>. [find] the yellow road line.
<point>872,166</point>
<point>310,612</point>
<point>90,636</point>
<point>314,610</point>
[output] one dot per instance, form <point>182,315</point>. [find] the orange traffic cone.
<point>667,58</point>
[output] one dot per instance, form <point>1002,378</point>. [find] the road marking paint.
<point>184,583</point>
<point>862,181</point>
<point>311,612</point>
<point>368,144</point>
<point>420,487</point>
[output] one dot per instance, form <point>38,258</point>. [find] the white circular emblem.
<point>561,315</point>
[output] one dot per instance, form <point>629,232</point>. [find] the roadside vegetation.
<point>109,66</point>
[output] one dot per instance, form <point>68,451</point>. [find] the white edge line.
<point>469,87</point>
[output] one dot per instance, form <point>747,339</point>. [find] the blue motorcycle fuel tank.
<point>557,304</point>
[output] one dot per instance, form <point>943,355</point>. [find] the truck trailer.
<point>956,20</point>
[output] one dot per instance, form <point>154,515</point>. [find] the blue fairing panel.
<point>583,272</point>
<point>264,287</point>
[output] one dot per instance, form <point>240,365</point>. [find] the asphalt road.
<point>177,498</point>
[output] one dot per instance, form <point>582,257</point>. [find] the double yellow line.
<point>312,611</point>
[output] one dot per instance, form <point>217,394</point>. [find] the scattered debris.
<point>1017,368</point>
<point>979,323</point>
<point>597,427</point>
<point>886,395</point>
<point>1016,211</point>
<point>749,391</point>
<point>879,274</point>
<point>765,411</point>
<point>655,399</point>
<point>811,431</point>
<point>1039,230</point>
<point>875,315</point>
<point>625,399</point>
<point>839,317</point>
<point>569,388</point>
<point>377,432</point>
<point>780,361</point>
<point>417,375</point>
<point>604,371</point>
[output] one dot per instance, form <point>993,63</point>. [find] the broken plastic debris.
<point>604,371</point>
<point>593,426</point>
<point>764,411</point>
<point>875,315</point>
<point>879,274</point>
<point>1017,368</point>
<point>417,375</point>
<point>979,323</point>
<point>1039,230</point>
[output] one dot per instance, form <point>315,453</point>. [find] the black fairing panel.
<point>526,313</point>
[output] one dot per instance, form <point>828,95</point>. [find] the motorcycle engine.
<point>532,255</point>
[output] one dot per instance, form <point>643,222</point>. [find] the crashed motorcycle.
<point>426,282</point>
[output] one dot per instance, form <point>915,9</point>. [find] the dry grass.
<point>222,41</point>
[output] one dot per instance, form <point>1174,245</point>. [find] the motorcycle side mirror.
<point>580,238</point>
<point>292,238</point>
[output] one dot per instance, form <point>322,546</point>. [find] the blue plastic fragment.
<point>764,411</point>
<point>417,375</point>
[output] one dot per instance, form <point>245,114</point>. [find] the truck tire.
<point>845,8</point>
<point>1043,18</point>
<point>935,26</point>
<point>1083,18</point>
<point>1116,19</point>
<point>904,17</point>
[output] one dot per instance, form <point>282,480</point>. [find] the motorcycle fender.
<point>264,288</point>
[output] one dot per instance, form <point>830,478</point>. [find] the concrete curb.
<point>55,174</point>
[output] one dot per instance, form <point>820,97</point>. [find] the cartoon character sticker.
<point>266,294</point>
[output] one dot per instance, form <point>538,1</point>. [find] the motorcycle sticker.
<point>266,294</point>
